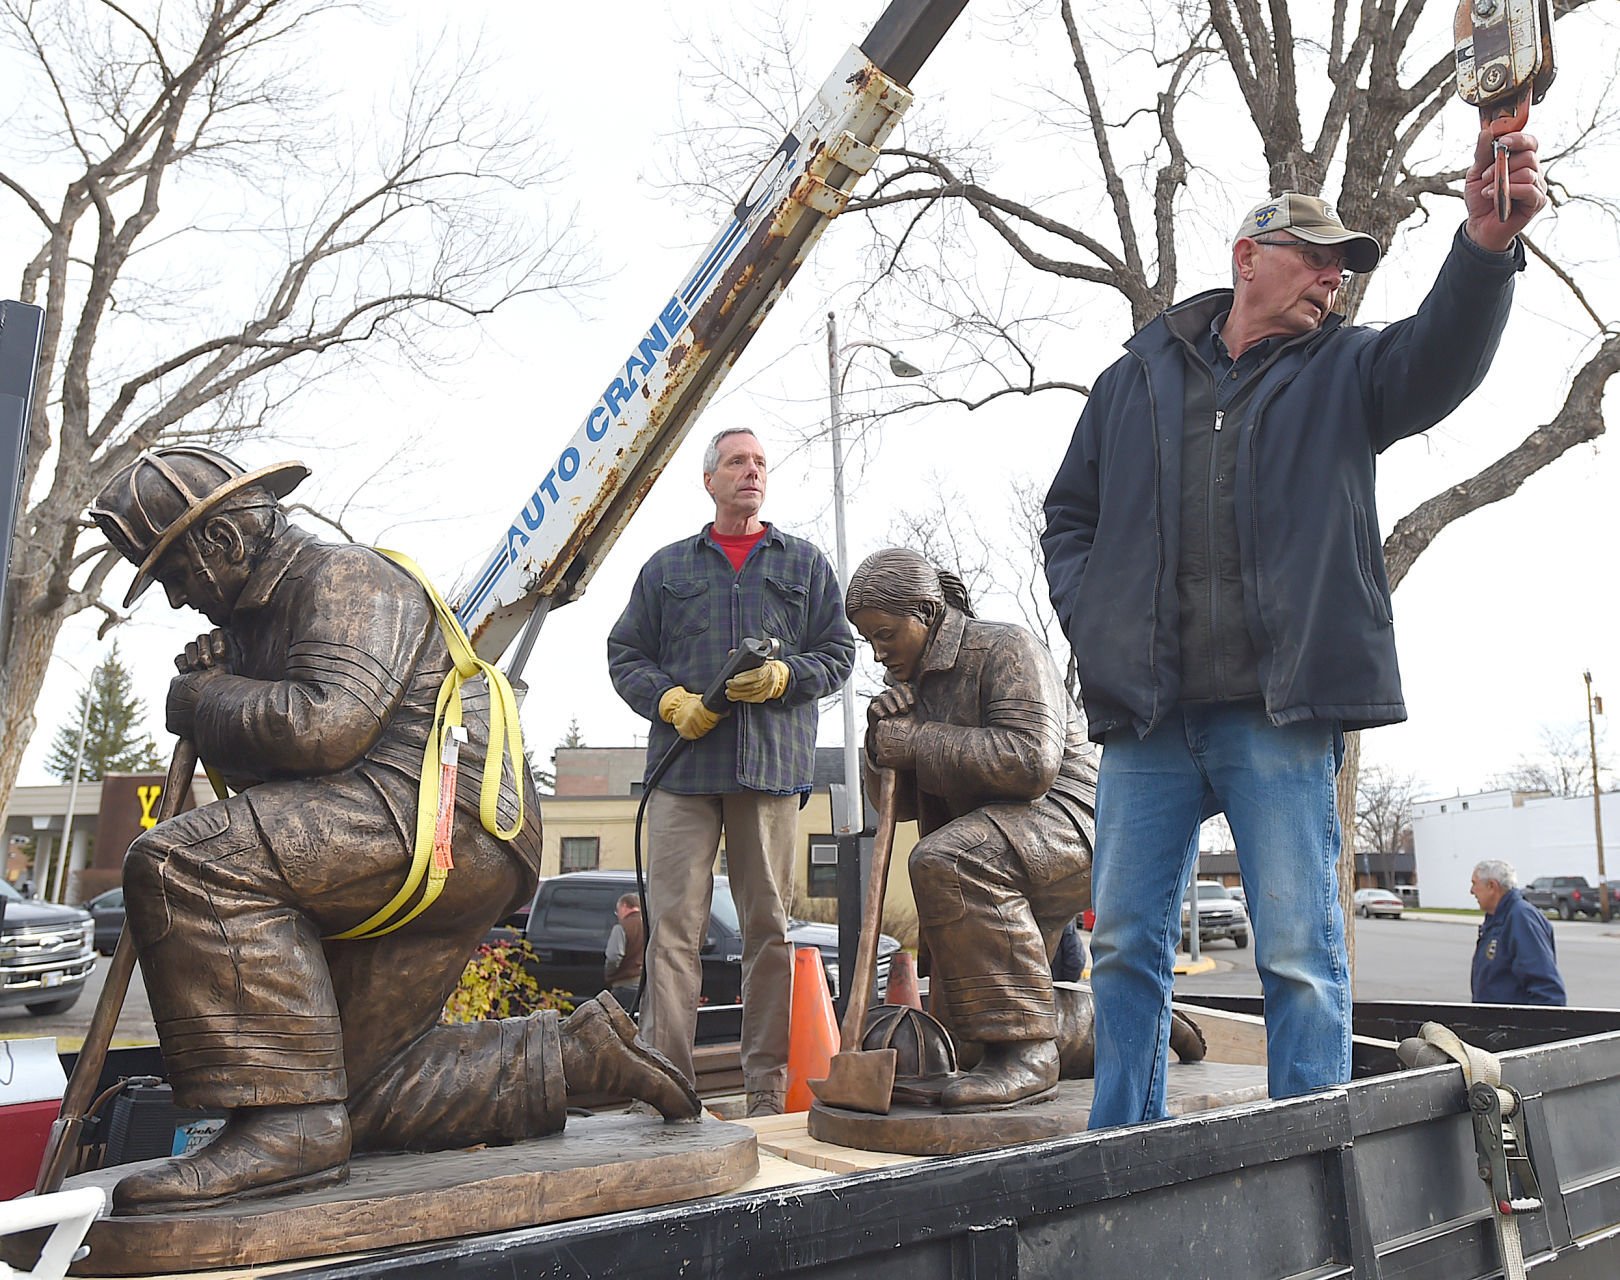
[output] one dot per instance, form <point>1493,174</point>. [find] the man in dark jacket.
<point>279,994</point>
<point>1515,961</point>
<point>745,772</point>
<point>1212,548</point>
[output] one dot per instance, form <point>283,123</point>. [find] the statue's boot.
<point>601,1054</point>
<point>1010,1072</point>
<point>261,1151</point>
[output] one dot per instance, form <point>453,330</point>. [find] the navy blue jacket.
<point>1515,961</point>
<point>1316,595</point>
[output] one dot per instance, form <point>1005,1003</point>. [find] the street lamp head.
<point>900,367</point>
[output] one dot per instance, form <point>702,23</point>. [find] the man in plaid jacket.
<point>747,772</point>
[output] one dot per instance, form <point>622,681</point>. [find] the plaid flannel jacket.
<point>687,611</point>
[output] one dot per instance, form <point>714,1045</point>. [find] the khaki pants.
<point>684,839</point>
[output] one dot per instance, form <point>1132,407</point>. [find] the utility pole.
<point>1594,708</point>
<point>61,865</point>
<point>853,818</point>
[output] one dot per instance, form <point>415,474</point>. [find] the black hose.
<point>659,770</point>
<point>747,656</point>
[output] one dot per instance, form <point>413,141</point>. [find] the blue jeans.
<point>1276,787</point>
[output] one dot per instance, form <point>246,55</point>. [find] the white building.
<point>1540,835</point>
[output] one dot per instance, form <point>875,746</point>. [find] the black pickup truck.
<point>1569,896</point>
<point>572,915</point>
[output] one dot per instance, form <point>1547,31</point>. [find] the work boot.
<point>764,1102</point>
<point>261,1151</point>
<point>601,1054</point>
<point>1010,1072</point>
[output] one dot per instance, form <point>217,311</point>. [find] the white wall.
<point>1539,837</point>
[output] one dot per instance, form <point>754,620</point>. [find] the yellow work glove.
<point>761,684</point>
<point>685,710</point>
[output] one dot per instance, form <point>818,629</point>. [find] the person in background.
<point>1069,962</point>
<point>626,951</point>
<point>1515,960</point>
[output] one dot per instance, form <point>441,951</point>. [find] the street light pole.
<point>61,863</point>
<point>854,809</point>
<point>1593,706</point>
<point>851,874</point>
<point>855,817</point>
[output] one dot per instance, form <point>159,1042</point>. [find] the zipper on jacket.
<point>1158,531</point>
<point>1255,421</point>
<point>1212,565</point>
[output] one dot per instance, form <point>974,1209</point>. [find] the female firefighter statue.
<point>993,764</point>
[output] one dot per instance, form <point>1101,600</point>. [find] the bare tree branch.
<point>334,257</point>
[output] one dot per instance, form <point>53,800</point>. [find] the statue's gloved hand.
<point>764,682</point>
<point>215,649</point>
<point>185,693</point>
<point>891,743</point>
<point>896,700</point>
<point>685,710</point>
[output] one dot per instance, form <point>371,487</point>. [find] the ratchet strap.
<point>431,860</point>
<point>1498,1115</point>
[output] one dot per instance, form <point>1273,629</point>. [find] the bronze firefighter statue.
<point>315,697</point>
<point>994,766</point>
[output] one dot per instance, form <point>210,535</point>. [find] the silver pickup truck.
<point>47,953</point>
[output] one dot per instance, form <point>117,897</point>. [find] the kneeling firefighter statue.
<point>299,939</point>
<point>992,762</point>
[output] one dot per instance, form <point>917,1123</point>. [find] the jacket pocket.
<point>1377,596</point>
<point>786,605</point>
<point>686,607</point>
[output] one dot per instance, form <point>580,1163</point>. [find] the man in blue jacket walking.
<point>1515,961</point>
<point>1213,554</point>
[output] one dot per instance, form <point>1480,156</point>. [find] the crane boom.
<point>595,483</point>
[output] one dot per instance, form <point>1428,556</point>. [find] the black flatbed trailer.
<point>1376,1179</point>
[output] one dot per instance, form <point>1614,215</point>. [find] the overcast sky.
<point>1495,624</point>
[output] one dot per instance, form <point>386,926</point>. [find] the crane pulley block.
<point>1504,52</point>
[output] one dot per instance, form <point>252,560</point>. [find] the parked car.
<point>107,910</point>
<point>1379,902</point>
<point>46,953</point>
<point>1220,915</point>
<point>572,915</point>
<point>1568,896</point>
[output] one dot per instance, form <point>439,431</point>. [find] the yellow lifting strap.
<point>433,811</point>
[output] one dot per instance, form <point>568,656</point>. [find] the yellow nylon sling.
<point>505,742</point>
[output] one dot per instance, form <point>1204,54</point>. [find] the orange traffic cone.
<point>903,981</point>
<point>812,1029</point>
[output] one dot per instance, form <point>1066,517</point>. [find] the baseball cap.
<point>1313,220</point>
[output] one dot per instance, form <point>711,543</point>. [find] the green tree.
<point>114,741</point>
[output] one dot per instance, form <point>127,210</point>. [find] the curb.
<point>1184,964</point>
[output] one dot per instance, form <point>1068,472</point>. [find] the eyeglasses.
<point>1315,258</point>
